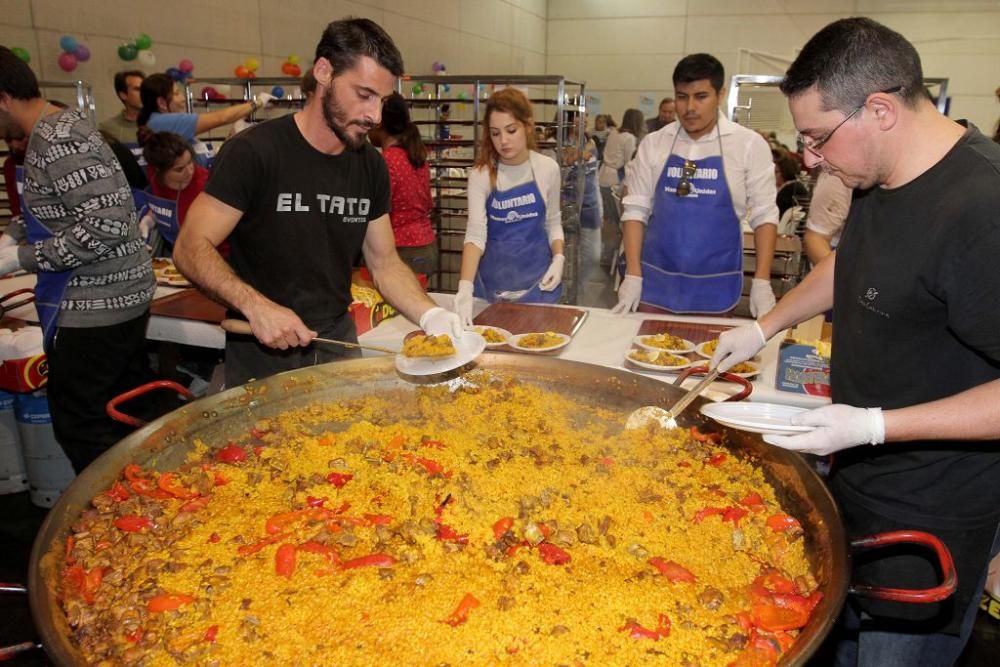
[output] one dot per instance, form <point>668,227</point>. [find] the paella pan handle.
<point>9,652</point>
<point>6,307</point>
<point>935,594</point>
<point>702,370</point>
<point>118,416</point>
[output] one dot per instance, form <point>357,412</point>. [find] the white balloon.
<point>147,58</point>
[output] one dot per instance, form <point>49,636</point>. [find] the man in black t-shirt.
<point>913,285</point>
<point>299,197</point>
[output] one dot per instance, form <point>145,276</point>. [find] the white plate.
<point>752,373</point>
<point>470,346</point>
<point>654,367</point>
<point>514,342</point>
<point>700,349</point>
<point>756,417</point>
<point>641,342</point>
<point>480,328</point>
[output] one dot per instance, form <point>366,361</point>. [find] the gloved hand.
<point>7,241</point>
<point>629,293</point>
<point>463,303</point>
<point>437,320</point>
<point>737,345</point>
<point>761,297</point>
<point>553,276</point>
<point>9,261</point>
<point>837,427</point>
<point>263,99</point>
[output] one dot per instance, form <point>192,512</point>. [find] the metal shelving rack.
<point>452,138</point>
<point>292,101</point>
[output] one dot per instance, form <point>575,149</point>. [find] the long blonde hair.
<point>514,102</point>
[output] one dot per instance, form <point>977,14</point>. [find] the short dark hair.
<point>698,66</point>
<point>852,58</point>
<point>345,40</point>
<point>153,88</point>
<point>121,79</point>
<point>787,166</point>
<point>16,78</point>
<point>161,150</point>
<point>664,101</point>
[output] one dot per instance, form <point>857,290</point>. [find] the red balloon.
<point>241,72</point>
<point>295,71</point>
<point>286,69</point>
<point>67,61</point>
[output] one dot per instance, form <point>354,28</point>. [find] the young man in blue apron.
<point>691,185</point>
<point>95,280</point>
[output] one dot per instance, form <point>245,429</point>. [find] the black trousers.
<point>87,368</point>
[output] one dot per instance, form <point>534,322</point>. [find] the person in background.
<point>163,107</point>
<point>786,179</point>
<point>17,143</point>
<point>666,114</point>
<point>122,127</point>
<point>514,238</point>
<point>590,206</point>
<point>603,124</point>
<point>915,371</point>
<point>134,172</point>
<point>619,151</point>
<point>828,209</point>
<point>691,186</point>
<point>175,180</point>
<point>95,280</point>
<point>301,196</point>
<point>410,182</point>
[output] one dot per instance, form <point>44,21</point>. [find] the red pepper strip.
<point>449,534</point>
<point>133,472</point>
<point>198,503</point>
<point>231,454</point>
<point>704,437</point>
<point>772,617</point>
<point>254,433</point>
<point>756,655</point>
<point>168,482</point>
<point>552,554</point>
<point>753,502</point>
<point>432,467</point>
<point>284,560</point>
<point>219,479</point>
<point>211,634</point>
<point>392,448</point>
<point>378,519</point>
<point>168,602</point>
<point>134,636</point>
<point>434,444</point>
<point>703,514</point>
<point>117,492</point>
<point>461,613</point>
<point>636,631</point>
<point>501,526</point>
<point>779,523</point>
<point>279,522</point>
<point>145,487</point>
<point>130,523</point>
<point>70,542</point>
<point>378,560</point>
<point>313,501</point>
<point>338,479</point>
<point>82,582</point>
<point>325,440</point>
<point>734,514</point>
<point>251,549</point>
<point>327,552</point>
<point>674,572</point>
<point>717,460</point>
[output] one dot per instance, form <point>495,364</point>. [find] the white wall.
<point>626,47</point>
<point>469,36</point>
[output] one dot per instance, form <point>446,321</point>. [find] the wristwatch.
<point>253,105</point>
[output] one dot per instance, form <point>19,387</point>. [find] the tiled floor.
<point>21,520</point>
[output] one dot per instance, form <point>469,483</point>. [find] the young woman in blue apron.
<point>522,260</point>
<point>175,180</point>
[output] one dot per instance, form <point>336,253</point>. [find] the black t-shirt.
<point>305,215</point>
<point>917,313</point>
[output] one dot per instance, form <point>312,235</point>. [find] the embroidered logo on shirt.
<point>867,301</point>
<point>513,216</point>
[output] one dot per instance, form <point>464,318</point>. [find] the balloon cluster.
<point>248,70</point>
<point>22,54</point>
<point>439,69</point>
<point>138,48</point>
<point>182,72</point>
<point>73,52</point>
<point>291,66</point>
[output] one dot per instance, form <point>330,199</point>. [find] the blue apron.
<point>692,255</point>
<point>165,213</point>
<point>51,285</point>
<point>517,248</point>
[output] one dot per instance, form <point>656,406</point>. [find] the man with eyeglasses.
<point>689,188</point>
<point>916,346</point>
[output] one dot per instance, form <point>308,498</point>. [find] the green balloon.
<point>143,41</point>
<point>22,54</point>
<point>127,52</point>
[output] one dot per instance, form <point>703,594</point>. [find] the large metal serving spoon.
<point>243,327</point>
<point>651,414</point>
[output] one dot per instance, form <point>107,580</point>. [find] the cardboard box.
<point>802,370</point>
<point>369,315</point>
<point>24,375</point>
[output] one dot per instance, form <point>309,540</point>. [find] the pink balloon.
<point>67,62</point>
<point>186,66</point>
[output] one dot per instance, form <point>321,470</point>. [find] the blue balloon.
<point>278,92</point>
<point>175,74</point>
<point>68,43</point>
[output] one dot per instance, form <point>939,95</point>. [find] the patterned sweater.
<point>76,188</point>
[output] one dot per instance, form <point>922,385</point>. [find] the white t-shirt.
<point>746,159</point>
<point>617,153</point>
<point>546,173</point>
<point>829,206</point>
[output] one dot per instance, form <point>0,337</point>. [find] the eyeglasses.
<point>814,145</point>
<point>684,185</point>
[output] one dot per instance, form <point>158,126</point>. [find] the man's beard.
<point>337,121</point>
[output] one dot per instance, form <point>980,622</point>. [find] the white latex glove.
<point>737,345</point>
<point>837,427</point>
<point>761,297</point>
<point>7,241</point>
<point>463,303</point>
<point>263,99</point>
<point>553,276</point>
<point>437,320</point>
<point>629,293</point>
<point>9,261</point>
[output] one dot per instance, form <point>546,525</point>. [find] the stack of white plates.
<point>764,418</point>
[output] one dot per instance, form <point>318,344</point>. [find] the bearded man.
<point>299,197</point>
